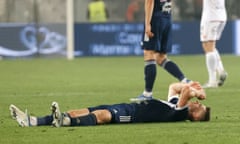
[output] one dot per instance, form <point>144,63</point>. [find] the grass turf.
<point>35,83</point>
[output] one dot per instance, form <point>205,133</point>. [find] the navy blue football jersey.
<point>146,111</point>
<point>159,111</point>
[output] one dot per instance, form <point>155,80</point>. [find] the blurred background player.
<point>157,41</point>
<point>97,11</point>
<point>134,12</point>
<point>213,21</point>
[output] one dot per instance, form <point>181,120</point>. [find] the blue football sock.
<point>87,120</point>
<point>150,71</point>
<point>173,69</point>
<point>47,120</point>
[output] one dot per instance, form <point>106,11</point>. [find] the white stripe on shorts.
<point>125,118</point>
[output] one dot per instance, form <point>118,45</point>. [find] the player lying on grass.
<point>177,108</point>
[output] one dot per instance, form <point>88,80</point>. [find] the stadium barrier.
<point>124,39</point>
<point>105,39</point>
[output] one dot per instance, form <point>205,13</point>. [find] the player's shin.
<point>87,120</point>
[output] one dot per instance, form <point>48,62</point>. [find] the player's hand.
<point>199,94</point>
<point>202,95</point>
<point>196,85</point>
<point>198,91</point>
<point>148,31</point>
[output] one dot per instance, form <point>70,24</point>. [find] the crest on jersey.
<point>167,7</point>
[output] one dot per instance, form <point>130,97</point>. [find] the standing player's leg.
<point>150,72</point>
<point>171,67</point>
<point>149,45</point>
<point>165,46</point>
<point>211,64</point>
<point>210,33</point>
<point>149,77</point>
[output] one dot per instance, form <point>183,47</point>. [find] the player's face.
<point>198,110</point>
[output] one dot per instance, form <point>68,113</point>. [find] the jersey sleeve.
<point>173,99</point>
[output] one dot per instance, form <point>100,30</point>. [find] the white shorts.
<point>211,30</point>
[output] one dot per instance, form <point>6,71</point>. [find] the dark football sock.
<point>150,74</point>
<point>87,120</point>
<point>47,120</point>
<point>173,69</point>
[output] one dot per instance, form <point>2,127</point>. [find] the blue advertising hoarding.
<point>22,40</point>
<point>108,39</point>
<point>124,39</point>
<point>105,39</point>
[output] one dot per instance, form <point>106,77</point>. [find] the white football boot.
<point>59,119</point>
<point>21,117</point>
<point>222,78</point>
<point>57,115</point>
<point>210,85</point>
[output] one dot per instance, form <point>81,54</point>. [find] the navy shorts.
<point>121,113</point>
<point>162,39</point>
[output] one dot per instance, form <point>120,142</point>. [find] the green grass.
<point>35,83</point>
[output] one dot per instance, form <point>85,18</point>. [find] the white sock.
<point>147,94</point>
<point>33,121</point>
<point>219,66</point>
<point>185,80</point>
<point>66,121</point>
<point>211,62</point>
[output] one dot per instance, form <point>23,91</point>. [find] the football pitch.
<point>34,83</point>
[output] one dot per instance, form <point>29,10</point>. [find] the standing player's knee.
<point>209,46</point>
<point>161,58</point>
<point>149,55</point>
<point>161,61</point>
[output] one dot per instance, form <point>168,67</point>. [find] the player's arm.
<point>149,4</point>
<point>185,92</point>
<point>175,89</point>
<point>190,91</point>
